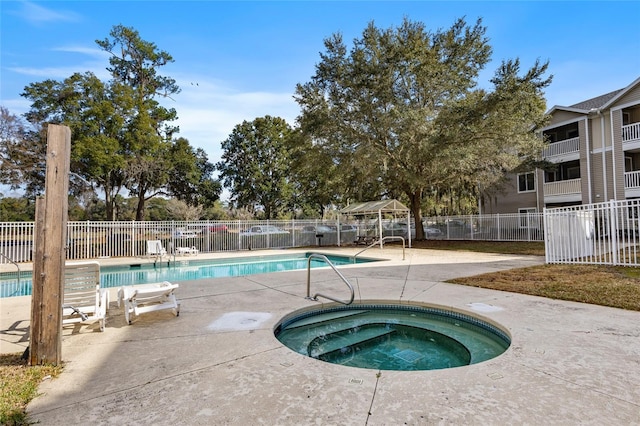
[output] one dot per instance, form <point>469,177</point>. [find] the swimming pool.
<point>391,336</point>
<point>186,270</point>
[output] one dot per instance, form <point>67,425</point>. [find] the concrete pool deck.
<point>569,363</point>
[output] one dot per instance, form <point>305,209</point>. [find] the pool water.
<point>392,337</point>
<point>185,270</point>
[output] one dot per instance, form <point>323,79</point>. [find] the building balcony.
<point>631,136</point>
<point>564,150</point>
<point>632,184</point>
<point>563,191</point>
<point>631,132</point>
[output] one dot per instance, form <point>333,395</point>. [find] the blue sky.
<point>240,60</point>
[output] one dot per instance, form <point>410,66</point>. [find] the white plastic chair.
<point>155,249</point>
<point>84,301</point>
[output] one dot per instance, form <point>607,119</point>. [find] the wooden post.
<point>49,256</point>
<point>36,287</point>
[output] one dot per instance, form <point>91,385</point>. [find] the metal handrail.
<point>375,243</point>
<point>342,277</point>
<point>16,265</point>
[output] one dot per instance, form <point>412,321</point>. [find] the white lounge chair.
<point>84,301</point>
<point>155,249</point>
<point>148,298</point>
<point>187,250</point>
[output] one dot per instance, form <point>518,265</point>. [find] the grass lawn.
<point>19,385</point>
<point>616,287</point>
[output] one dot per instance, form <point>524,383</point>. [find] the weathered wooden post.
<point>45,345</point>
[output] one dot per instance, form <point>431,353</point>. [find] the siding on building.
<point>601,156</point>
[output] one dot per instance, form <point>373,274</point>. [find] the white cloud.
<point>37,14</point>
<point>98,53</point>
<point>97,63</point>
<point>57,72</point>
<point>208,111</point>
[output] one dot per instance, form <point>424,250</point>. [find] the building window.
<point>529,217</point>
<point>526,182</point>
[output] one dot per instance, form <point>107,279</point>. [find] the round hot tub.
<point>391,336</point>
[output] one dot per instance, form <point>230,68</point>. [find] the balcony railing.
<point>567,146</point>
<point>632,179</point>
<point>631,132</point>
<point>563,187</point>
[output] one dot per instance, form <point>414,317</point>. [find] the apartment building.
<point>595,146</point>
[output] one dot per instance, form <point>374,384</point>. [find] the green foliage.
<point>95,112</point>
<point>255,166</point>
<point>147,135</point>
<point>190,175</point>
<point>313,176</point>
<point>156,209</point>
<point>21,154</point>
<point>122,138</point>
<point>16,210</point>
<point>216,211</point>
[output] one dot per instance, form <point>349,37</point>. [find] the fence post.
<point>293,232</point>
<point>133,239</point>
<point>613,232</point>
<point>546,234</point>
<point>87,240</point>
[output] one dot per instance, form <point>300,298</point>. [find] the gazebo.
<point>378,209</point>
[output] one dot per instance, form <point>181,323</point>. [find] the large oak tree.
<point>147,135</point>
<point>122,136</point>
<point>402,111</point>
<point>255,165</point>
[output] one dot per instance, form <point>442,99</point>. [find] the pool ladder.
<point>342,277</point>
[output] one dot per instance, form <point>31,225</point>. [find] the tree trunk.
<point>108,205</point>
<point>415,200</point>
<point>140,208</point>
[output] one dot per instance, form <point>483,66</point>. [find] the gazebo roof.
<point>375,207</point>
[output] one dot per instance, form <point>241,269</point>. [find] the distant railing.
<point>562,187</point>
<point>563,147</point>
<point>631,132</point>
<point>632,180</point>
<point>491,227</point>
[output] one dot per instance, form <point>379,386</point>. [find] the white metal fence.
<point>604,234</point>
<point>92,240</point>
<point>493,227</point>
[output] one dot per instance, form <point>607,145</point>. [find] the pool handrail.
<point>342,277</point>
<point>14,263</point>
<point>375,243</point>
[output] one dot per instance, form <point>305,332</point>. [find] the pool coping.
<point>245,376</point>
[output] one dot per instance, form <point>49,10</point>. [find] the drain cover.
<point>408,355</point>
